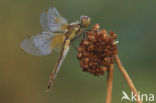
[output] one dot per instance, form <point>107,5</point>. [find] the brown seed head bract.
<point>97,50</point>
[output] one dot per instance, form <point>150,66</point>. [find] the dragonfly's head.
<point>85,21</point>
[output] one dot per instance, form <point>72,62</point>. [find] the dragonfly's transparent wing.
<point>44,21</point>
<point>40,44</point>
<point>57,41</point>
<point>52,21</point>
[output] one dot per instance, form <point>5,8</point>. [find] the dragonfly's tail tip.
<point>48,87</point>
<point>47,90</point>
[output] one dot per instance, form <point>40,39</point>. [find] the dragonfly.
<point>57,34</point>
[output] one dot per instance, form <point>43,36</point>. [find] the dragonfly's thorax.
<point>73,30</point>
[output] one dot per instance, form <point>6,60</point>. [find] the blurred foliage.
<point>23,77</point>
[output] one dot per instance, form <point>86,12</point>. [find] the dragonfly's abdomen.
<point>67,43</point>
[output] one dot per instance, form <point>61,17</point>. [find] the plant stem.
<point>127,78</point>
<point>109,83</point>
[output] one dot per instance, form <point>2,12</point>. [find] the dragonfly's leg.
<point>73,43</point>
<point>84,36</point>
<point>74,40</point>
<point>84,33</point>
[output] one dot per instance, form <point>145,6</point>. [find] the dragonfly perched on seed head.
<point>57,33</point>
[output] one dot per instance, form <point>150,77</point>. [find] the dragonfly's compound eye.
<point>85,21</point>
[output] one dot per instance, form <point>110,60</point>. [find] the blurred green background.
<point>23,77</point>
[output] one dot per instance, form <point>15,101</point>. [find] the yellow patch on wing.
<point>57,20</point>
<point>57,40</point>
<point>64,26</point>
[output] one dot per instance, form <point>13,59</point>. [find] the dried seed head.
<point>85,42</point>
<point>97,50</point>
<point>79,55</point>
<point>96,26</point>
